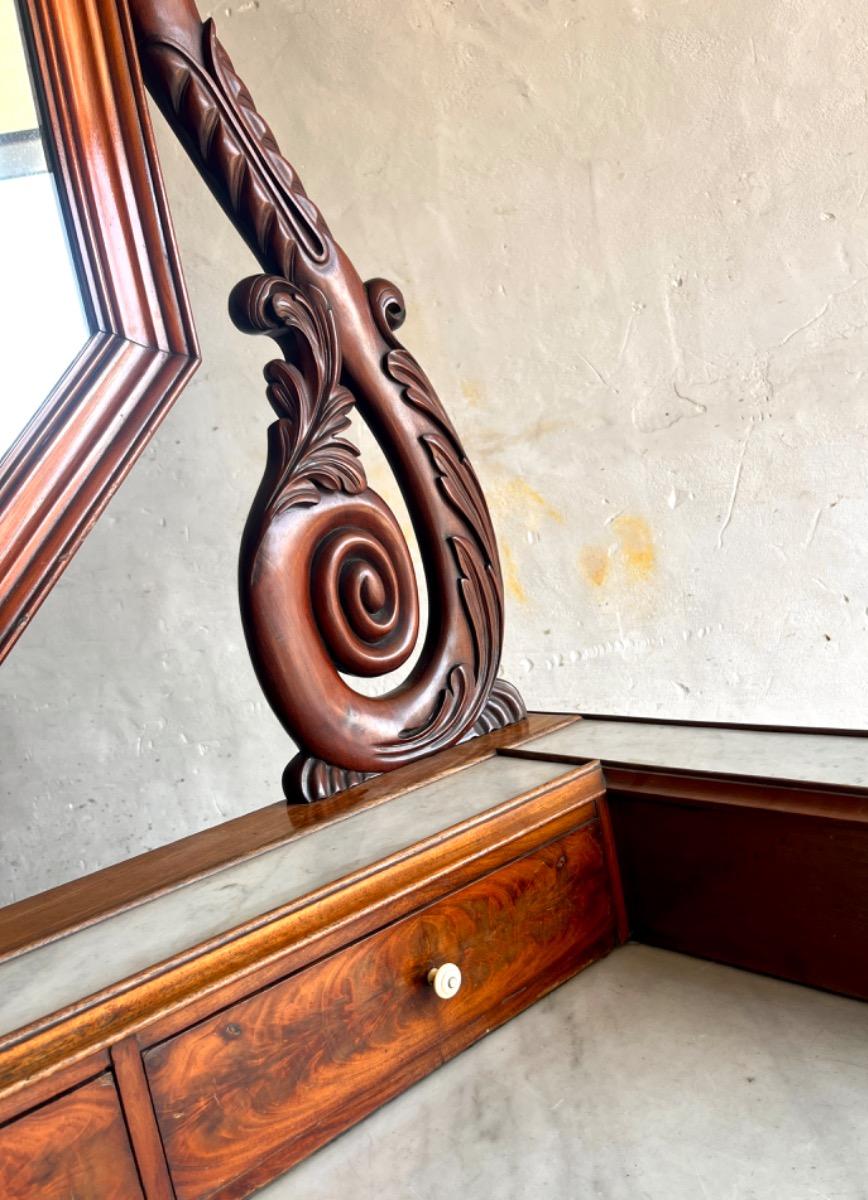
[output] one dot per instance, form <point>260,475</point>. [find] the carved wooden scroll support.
<point>326,581</point>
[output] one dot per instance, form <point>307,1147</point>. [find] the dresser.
<point>195,1021</point>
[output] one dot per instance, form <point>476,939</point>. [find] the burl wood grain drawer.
<point>74,1148</point>
<point>254,1089</point>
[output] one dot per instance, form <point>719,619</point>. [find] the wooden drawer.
<point>75,1148</point>
<point>255,1088</point>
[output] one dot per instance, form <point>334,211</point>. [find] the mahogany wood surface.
<point>773,878</point>
<point>271,1078</point>
<point>138,1112</point>
<point>767,874</point>
<point>327,921</point>
<point>832,800</point>
<point>327,584</point>
<point>161,1000</point>
<point>622,923</point>
<point>520,895</point>
<point>73,454</point>
<point>37,1090</point>
<point>75,1148</point>
<point>51,914</point>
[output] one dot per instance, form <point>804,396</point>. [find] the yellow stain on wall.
<point>511,577</point>
<point>632,549</point>
<point>516,497</point>
<point>636,545</point>
<point>594,561</point>
<point>471,391</point>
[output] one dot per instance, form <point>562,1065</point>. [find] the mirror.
<point>33,246</point>
<point>97,335</point>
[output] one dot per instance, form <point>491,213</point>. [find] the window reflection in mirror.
<point>42,318</point>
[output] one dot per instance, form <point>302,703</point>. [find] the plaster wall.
<point>632,239</point>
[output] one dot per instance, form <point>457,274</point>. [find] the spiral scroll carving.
<point>327,584</point>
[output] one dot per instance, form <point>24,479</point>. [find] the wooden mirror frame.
<point>70,458</point>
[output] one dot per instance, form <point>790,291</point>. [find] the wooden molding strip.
<point>705,786</point>
<point>49,1088</point>
<point>832,803</point>
<point>138,1110</point>
<point>819,730</point>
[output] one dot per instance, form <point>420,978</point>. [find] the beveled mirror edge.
<point>76,450</point>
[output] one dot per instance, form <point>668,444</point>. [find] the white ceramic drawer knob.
<point>445,980</point>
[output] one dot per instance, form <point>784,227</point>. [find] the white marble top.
<point>650,1076</point>
<point>811,757</point>
<point>49,978</point>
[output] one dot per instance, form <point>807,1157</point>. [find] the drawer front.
<point>75,1148</point>
<point>280,1073</point>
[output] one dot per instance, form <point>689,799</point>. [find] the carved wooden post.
<point>326,580</point>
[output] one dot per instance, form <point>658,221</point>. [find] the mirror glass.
<point>42,316</point>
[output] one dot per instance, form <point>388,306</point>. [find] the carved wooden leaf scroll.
<point>326,581</point>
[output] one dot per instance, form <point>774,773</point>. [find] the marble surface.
<point>817,758</point>
<point>46,979</point>
<point>651,1076</point>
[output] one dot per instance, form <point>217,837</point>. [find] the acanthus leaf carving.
<point>312,405</point>
<point>235,149</point>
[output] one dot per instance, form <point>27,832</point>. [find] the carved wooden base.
<point>307,778</point>
<point>503,707</point>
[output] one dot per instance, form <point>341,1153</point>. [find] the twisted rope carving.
<point>326,579</point>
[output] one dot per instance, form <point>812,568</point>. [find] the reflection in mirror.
<point>39,275</point>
